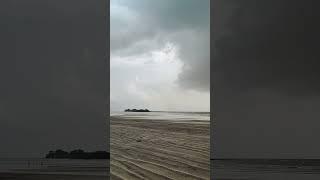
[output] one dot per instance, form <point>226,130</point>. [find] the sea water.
<point>265,169</point>
<point>54,166</point>
<point>165,115</point>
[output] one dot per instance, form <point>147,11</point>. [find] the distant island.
<point>136,110</point>
<point>77,154</point>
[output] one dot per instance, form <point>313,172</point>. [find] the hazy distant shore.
<point>159,149</point>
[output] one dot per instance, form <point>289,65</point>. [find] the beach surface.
<point>159,149</point>
<point>21,176</point>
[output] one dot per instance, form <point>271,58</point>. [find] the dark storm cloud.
<point>270,44</point>
<point>186,24</point>
<point>53,76</point>
<point>265,79</point>
<point>173,14</point>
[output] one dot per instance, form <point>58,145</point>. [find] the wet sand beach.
<point>159,149</point>
<point>21,176</point>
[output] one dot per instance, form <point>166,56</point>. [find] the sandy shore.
<point>21,176</point>
<point>159,149</point>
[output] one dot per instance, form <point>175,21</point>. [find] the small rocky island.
<point>77,154</point>
<point>136,110</point>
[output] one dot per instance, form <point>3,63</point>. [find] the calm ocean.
<point>165,115</point>
<point>54,166</point>
<point>265,169</point>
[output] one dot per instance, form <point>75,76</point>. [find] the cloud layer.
<point>269,45</point>
<point>265,76</point>
<point>140,34</point>
<point>53,76</point>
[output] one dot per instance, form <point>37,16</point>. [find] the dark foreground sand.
<point>159,149</point>
<point>20,176</point>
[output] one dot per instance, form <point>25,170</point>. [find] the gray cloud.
<point>195,53</point>
<point>265,75</point>
<point>174,14</point>
<point>151,24</point>
<point>270,45</point>
<point>53,76</point>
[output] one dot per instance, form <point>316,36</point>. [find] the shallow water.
<point>266,169</point>
<point>164,115</point>
<point>54,166</point>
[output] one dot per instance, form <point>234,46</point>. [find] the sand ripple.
<point>159,149</point>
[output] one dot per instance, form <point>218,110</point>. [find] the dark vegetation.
<point>77,154</point>
<point>136,110</point>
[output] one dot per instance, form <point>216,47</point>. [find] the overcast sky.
<point>160,55</point>
<point>53,76</point>
<point>265,70</point>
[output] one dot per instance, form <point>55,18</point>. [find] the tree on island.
<point>77,154</point>
<point>58,154</point>
<point>136,110</point>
